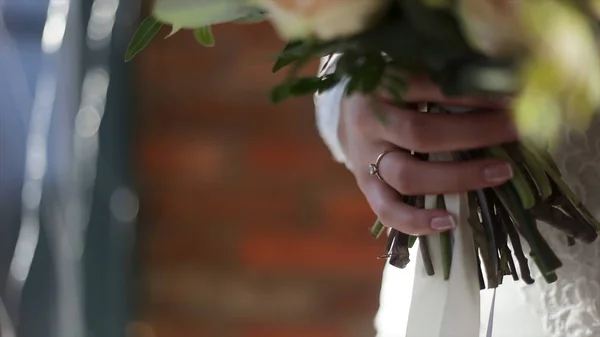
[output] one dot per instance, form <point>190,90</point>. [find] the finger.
<point>427,133</point>
<point>411,176</point>
<point>392,212</point>
<point>422,89</point>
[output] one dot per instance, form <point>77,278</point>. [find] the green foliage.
<point>290,54</point>
<point>204,36</point>
<point>405,37</point>
<point>295,87</point>
<point>142,37</point>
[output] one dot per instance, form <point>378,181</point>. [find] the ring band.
<point>374,168</point>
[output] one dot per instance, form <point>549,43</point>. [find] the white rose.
<point>492,27</point>
<point>200,13</point>
<point>565,51</point>
<point>323,19</point>
<point>595,6</point>
<point>292,19</point>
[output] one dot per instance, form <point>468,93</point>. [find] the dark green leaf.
<point>365,73</point>
<point>302,87</point>
<point>302,51</point>
<point>305,86</point>
<point>407,47</point>
<point>328,82</point>
<point>546,259</point>
<point>371,77</point>
<point>287,56</point>
<point>411,241</point>
<point>280,93</point>
<point>353,85</point>
<point>398,84</point>
<point>204,36</point>
<point>436,24</point>
<point>142,37</point>
<point>324,48</point>
<point>377,229</point>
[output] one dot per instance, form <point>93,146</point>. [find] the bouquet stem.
<point>508,213</point>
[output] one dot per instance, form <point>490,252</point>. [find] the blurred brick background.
<point>248,228</point>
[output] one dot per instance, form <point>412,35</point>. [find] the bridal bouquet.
<point>543,53</point>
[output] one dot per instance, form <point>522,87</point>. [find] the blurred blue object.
<point>69,210</point>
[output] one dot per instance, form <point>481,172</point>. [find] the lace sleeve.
<point>571,306</point>
<point>327,109</point>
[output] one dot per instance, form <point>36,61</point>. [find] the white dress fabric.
<point>569,307</point>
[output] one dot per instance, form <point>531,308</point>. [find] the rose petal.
<point>200,13</point>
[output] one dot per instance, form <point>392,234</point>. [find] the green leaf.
<point>328,82</point>
<point>303,51</point>
<point>545,258</point>
<point>280,93</point>
<point>305,86</point>
<point>353,85</point>
<point>377,229</point>
<point>142,37</point>
<point>302,87</point>
<point>366,72</point>
<point>289,55</point>
<point>204,36</point>
<point>411,241</point>
<point>372,75</point>
<point>397,84</point>
<point>519,181</point>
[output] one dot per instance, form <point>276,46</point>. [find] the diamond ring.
<point>374,167</point>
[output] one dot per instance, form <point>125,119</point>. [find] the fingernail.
<point>443,223</point>
<point>498,173</point>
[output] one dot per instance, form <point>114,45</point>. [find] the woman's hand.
<point>364,136</point>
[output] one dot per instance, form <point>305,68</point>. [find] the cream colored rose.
<point>561,76</point>
<point>323,19</point>
<point>563,63</point>
<point>492,26</point>
<point>200,13</point>
<point>595,6</point>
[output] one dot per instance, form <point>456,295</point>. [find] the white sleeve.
<point>327,108</point>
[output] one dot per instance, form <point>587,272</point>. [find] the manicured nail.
<point>498,173</point>
<point>443,223</point>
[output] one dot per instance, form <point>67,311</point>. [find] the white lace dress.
<point>569,307</point>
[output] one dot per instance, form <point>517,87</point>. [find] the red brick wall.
<point>249,229</point>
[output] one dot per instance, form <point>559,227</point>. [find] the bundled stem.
<point>508,213</point>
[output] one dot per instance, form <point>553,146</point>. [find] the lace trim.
<point>571,306</point>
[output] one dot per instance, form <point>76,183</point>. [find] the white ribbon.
<point>447,308</point>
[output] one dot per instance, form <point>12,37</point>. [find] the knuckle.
<point>406,221</point>
<point>413,132</point>
<point>383,209</point>
<point>405,182</point>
